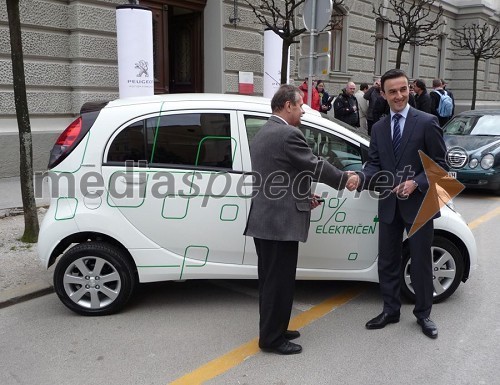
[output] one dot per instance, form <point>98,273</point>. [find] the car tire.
<point>448,268</point>
<point>94,278</point>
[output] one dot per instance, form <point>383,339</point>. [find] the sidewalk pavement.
<point>22,276</point>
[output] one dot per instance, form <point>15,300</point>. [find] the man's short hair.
<point>392,74</point>
<point>363,86</point>
<point>436,83</point>
<point>286,93</point>
<point>420,84</point>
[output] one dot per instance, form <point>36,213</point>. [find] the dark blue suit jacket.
<point>384,172</point>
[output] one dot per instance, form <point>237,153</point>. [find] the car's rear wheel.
<point>94,278</point>
<point>447,265</point>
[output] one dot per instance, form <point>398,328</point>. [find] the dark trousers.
<point>369,124</point>
<point>389,265</point>
<point>277,265</point>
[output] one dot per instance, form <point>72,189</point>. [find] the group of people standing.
<point>430,101</point>
<point>320,99</point>
<point>365,107</point>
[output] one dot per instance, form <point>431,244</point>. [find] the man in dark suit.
<point>395,168</point>
<point>280,212</point>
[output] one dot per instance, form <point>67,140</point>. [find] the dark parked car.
<point>473,142</point>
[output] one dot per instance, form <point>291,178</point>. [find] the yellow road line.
<point>484,218</point>
<point>235,357</point>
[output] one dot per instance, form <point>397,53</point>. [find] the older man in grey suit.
<point>280,213</point>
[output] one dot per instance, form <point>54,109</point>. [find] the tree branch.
<point>412,22</point>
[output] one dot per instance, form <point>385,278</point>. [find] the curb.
<point>14,296</point>
<point>13,211</point>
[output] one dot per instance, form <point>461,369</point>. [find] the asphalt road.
<point>182,332</point>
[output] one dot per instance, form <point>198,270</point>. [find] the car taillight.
<point>70,134</point>
<point>66,142</point>
<point>75,132</point>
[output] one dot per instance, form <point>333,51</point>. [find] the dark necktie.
<point>396,135</point>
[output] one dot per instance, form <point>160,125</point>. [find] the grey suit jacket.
<point>283,165</point>
<point>421,132</point>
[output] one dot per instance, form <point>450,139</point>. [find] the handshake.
<point>353,180</point>
<point>352,184</point>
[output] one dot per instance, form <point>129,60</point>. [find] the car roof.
<point>189,97</point>
<point>236,102</point>
<point>199,97</point>
<point>481,112</point>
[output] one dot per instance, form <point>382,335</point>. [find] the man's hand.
<point>316,201</point>
<point>405,189</point>
<point>352,181</point>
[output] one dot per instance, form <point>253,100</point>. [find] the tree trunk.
<point>284,61</point>
<point>31,226</point>
<point>474,83</point>
<point>399,54</point>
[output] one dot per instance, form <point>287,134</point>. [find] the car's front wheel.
<point>447,266</point>
<point>94,278</point>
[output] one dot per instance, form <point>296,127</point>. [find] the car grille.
<point>456,158</point>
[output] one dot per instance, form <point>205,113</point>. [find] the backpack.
<point>445,108</point>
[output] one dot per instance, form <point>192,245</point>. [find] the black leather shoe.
<point>429,328</point>
<point>382,320</point>
<point>285,348</point>
<point>291,334</point>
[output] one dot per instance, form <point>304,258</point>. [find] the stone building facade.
<point>70,57</point>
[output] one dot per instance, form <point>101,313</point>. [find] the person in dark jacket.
<point>422,98</point>
<point>372,95</point>
<point>324,97</point>
<point>346,106</point>
<point>435,99</point>
<point>380,109</point>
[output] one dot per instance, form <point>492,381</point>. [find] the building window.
<point>498,74</point>
<point>441,57</point>
<point>381,48</point>
<point>487,68</point>
<point>414,61</point>
<point>339,41</point>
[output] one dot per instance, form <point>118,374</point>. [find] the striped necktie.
<point>396,135</point>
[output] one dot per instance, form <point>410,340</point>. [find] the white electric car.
<point>156,188</point>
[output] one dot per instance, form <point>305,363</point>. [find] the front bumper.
<point>479,178</point>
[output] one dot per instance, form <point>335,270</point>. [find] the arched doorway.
<point>177,44</point>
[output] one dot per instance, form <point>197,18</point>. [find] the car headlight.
<point>487,161</point>
<point>473,163</point>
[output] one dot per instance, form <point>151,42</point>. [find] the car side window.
<point>337,151</point>
<point>195,139</point>
<point>129,145</point>
<point>253,124</point>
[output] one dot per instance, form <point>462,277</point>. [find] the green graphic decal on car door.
<point>185,190</point>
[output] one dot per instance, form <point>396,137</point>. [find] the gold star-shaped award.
<point>442,189</point>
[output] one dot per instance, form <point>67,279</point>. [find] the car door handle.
<point>133,179</point>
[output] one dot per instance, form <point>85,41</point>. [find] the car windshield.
<point>474,125</point>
